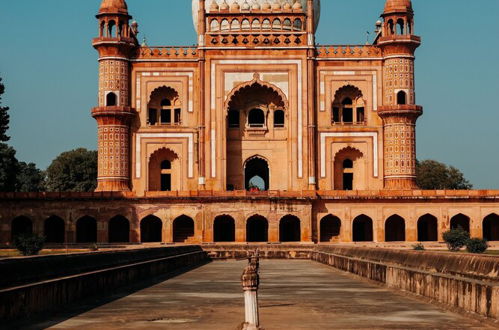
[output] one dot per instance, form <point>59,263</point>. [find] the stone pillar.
<point>250,281</point>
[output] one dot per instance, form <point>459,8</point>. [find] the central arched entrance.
<point>257,229</point>
<point>289,229</point>
<point>256,174</point>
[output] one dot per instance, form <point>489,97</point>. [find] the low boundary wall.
<point>35,297</point>
<point>467,282</point>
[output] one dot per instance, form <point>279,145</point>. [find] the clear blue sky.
<point>50,71</point>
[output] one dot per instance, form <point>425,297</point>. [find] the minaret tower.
<point>115,44</point>
<point>399,112</point>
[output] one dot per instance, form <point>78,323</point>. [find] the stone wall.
<point>466,282</point>
<point>37,284</point>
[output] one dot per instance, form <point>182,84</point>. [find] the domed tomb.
<point>255,4</point>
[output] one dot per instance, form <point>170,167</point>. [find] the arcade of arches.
<point>249,221</point>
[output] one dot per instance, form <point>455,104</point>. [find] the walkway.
<point>294,295</point>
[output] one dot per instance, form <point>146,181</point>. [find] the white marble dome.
<point>253,4</point>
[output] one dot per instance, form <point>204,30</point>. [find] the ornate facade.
<point>261,133</point>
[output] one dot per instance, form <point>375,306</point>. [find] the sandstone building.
<point>255,134</point>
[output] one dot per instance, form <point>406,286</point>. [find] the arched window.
<point>391,27</point>
<point>286,24</point>
<point>214,26</point>
<point>111,99</point>
<point>102,29</point>
<point>427,228</point>
<point>255,25</point>
<point>256,118</point>
<point>348,107</point>
<point>298,25</point>
<point>279,118</point>
<point>233,118</point>
<point>409,27</point>
<point>225,26</point>
<point>256,173</point>
<point>401,98</point>
<point>111,29</point>
<point>490,227</point>
<point>266,24</point>
<point>400,26</point>
<point>235,25</point>
<point>276,24</point>
<point>165,107</point>
<point>245,24</point>
<point>164,171</point>
<point>348,169</point>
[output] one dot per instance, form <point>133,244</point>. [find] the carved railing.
<point>171,52</point>
<point>347,51</point>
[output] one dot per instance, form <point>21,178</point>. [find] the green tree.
<point>4,116</point>
<point>29,178</point>
<point>431,175</point>
<point>9,167</point>
<point>74,170</point>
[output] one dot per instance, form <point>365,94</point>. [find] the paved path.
<point>294,295</point>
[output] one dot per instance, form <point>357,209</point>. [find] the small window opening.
<point>279,118</point>
<point>256,118</point>
<point>336,115</point>
<point>166,103</point>
<point>166,165</point>
<point>400,27</point>
<point>347,163</point>
<point>153,116</point>
<point>233,118</point>
<point>348,115</point>
<point>166,116</point>
<point>177,116</point>
<point>391,27</point>
<point>347,101</point>
<point>360,115</point>
<point>401,97</point>
<point>111,99</point>
<point>111,29</point>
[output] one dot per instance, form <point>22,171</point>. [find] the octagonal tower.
<point>115,44</point>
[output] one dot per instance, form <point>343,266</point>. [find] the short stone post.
<point>250,281</point>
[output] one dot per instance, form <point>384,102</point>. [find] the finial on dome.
<point>113,7</point>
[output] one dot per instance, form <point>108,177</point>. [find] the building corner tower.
<point>399,111</point>
<point>115,44</point>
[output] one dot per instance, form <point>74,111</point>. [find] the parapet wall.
<point>53,281</point>
<point>466,282</point>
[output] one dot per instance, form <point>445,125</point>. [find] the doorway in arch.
<point>256,174</point>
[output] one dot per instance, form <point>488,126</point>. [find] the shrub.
<point>456,238</point>
<point>476,245</point>
<point>418,247</point>
<point>29,244</point>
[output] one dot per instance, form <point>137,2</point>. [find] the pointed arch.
<point>395,229</point>
<point>183,229</point>
<point>349,170</point>
<point>330,227</point>
<point>54,229</point>
<point>119,230</point>
<point>151,229</point>
<point>490,227</point>
<point>427,228</point>
<point>160,176</point>
<point>257,229</point>
<point>257,167</point>
<point>290,229</point>
<point>256,83</point>
<point>224,229</point>
<point>460,221</point>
